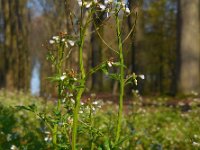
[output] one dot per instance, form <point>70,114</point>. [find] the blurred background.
<point>165,45</point>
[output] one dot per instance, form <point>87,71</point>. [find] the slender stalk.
<point>58,108</point>
<point>91,125</point>
<point>82,84</point>
<point>120,111</point>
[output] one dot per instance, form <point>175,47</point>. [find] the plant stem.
<point>120,111</point>
<point>82,84</point>
<point>58,108</point>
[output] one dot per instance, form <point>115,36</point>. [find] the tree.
<point>16,71</point>
<point>189,46</point>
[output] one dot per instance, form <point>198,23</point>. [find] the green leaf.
<point>118,64</point>
<point>107,144</point>
<point>114,76</point>
<point>120,142</point>
<point>105,70</point>
<point>31,108</point>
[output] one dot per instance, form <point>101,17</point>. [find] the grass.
<point>143,127</point>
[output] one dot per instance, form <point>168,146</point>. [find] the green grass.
<point>150,127</point>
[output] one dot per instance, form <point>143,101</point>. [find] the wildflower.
<point>71,42</point>
<point>47,132</point>
<point>80,2</point>
<point>63,40</point>
<point>72,100</point>
<point>80,111</point>
<point>70,94</point>
<point>13,147</point>
<point>63,77</point>
<point>95,1</point>
<point>93,95</point>
<point>66,45</point>
<point>110,63</point>
<point>55,38</point>
<point>60,123</point>
<point>103,7</point>
<point>51,41</point>
<point>64,100</point>
<point>142,76</point>
<point>88,5</point>
<point>9,137</point>
<point>95,103</point>
<point>47,138</point>
<point>127,10</point>
<point>196,144</point>
<point>70,120</point>
<point>107,1</point>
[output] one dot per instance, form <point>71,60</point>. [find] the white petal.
<point>88,5</point>
<point>142,76</point>
<point>103,7</point>
<point>127,10</point>
<point>71,42</point>
<point>62,78</point>
<point>55,38</point>
<point>51,41</point>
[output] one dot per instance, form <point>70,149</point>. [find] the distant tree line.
<point>165,44</point>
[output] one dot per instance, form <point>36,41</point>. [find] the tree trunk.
<point>189,46</point>
<point>15,49</point>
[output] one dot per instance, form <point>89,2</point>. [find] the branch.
<point>132,29</point>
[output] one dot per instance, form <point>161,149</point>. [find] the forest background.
<point>164,47</point>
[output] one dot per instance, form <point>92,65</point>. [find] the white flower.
<point>47,132</point>
<point>46,138</point>
<point>107,1</point>
<point>70,120</point>
<point>9,137</point>
<point>71,42</point>
<point>64,100</point>
<point>95,103</point>
<point>66,44</point>
<point>95,1</point>
<point>110,63</point>
<point>55,38</point>
<point>196,144</point>
<point>80,111</point>
<point>103,7</point>
<point>80,2</point>
<point>13,147</point>
<point>142,76</point>
<point>127,10</point>
<point>88,5</point>
<point>72,100</point>
<point>51,41</point>
<point>70,94</point>
<point>62,77</point>
<point>63,40</point>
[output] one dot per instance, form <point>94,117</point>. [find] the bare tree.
<point>189,46</point>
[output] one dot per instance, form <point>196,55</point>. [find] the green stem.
<point>91,125</point>
<point>82,84</point>
<point>119,121</point>
<point>59,72</point>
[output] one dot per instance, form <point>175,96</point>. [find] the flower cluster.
<point>59,39</point>
<point>107,6</point>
